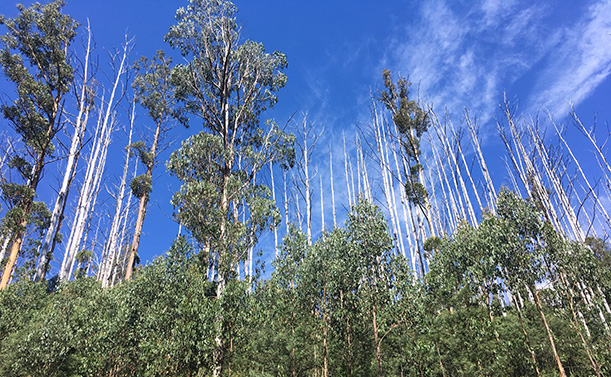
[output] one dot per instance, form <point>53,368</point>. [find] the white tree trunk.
<point>113,242</point>
<point>48,245</point>
<point>95,169</point>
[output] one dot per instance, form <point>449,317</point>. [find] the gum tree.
<point>34,58</point>
<point>226,84</point>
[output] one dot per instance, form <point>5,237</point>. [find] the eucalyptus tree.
<point>411,122</point>
<point>34,58</point>
<point>155,93</point>
<point>226,83</point>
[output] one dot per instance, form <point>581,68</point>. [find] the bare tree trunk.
<point>549,332</point>
<point>560,193</point>
<point>308,143</point>
<point>530,176</point>
<point>468,171</point>
<point>332,187</point>
<point>94,172</point>
<point>286,204</point>
<point>271,175</point>
<point>601,156</point>
<point>456,176</point>
<point>583,176</point>
<point>451,207</point>
<point>346,172</point>
<point>384,170</point>
<point>113,243</point>
<point>473,130</point>
<point>48,245</point>
<point>322,206</point>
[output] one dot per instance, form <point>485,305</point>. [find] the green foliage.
<point>34,59</point>
<point>141,185</point>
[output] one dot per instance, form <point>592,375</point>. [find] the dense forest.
<point>428,269</point>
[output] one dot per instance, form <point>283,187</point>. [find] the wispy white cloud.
<point>468,56</point>
<point>579,63</point>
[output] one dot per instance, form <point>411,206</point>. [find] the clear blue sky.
<point>545,54</point>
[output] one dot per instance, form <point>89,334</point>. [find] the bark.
<point>350,202</point>
<point>48,245</point>
<point>332,187</point>
<point>144,199</point>
<point>452,212</point>
<point>322,206</point>
<point>526,337</point>
<point>597,201</point>
<point>531,178</point>
<point>306,146</point>
<point>384,170</point>
<point>286,204</point>
<point>271,175</point>
<point>468,172</point>
<point>491,193</point>
<point>95,169</point>
<point>548,331</point>
<point>40,155</point>
<point>553,178</point>
<point>113,243</point>
<point>377,340</point>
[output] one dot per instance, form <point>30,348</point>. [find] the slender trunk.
<point>332,189</point>
<point>468,172</point>
<point>271,175</point>
<point>560,193</point>
<point>144,199</point>
<point>583,176</point>
<point>286,204</point>
<point>526,337</point>
<point>346,172</point>
<point>48,245</point>
<point>384,170</point>
<point>19,233</point>
<point>377,340</point>
<point>322,206</point>
<point>113,243</point>
<point>491,197</point>
<point>94,172</point>
<point>548,331</point>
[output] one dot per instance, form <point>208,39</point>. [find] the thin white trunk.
<point>384,170</point>
<point>468,171</point>
<point>286,203</point>
<point>491,193</point>
<point>451,208</point>
<point>533,179</point>
<point>46,250</point>
<point>346,172</point>
<point>591,191</point>
<point>322,205</point>
<point>271,174</point>
<point>94,173</point>
<point>332,189</point>
<point>600,155</point>
<point>560,193</point>
<point>113,243</point>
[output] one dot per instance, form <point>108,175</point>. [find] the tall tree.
<point>85,105</point>
<point>34,58</point>
<point>155,93</point>
<point>227,83</point>
<point>411,122</point>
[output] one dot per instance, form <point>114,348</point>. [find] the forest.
<point>426,267</point>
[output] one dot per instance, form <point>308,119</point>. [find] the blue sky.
<point>458,54</point>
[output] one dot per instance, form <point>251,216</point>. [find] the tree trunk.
<point>95,169</point>
<point>548,331</point>
<point>48,245</point>
<point>113,243</point>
